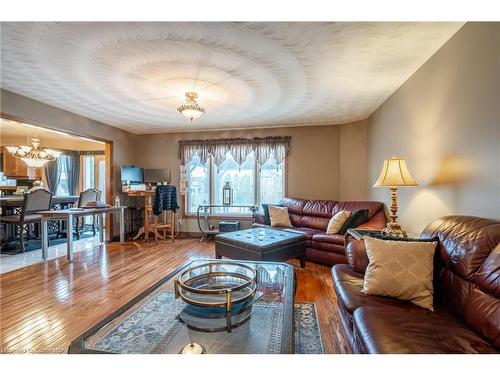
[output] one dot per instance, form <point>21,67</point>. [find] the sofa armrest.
<point>357,258</point>
<point>377,221</point>
<point>258,218</point>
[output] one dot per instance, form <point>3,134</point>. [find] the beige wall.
<point>313,168</point>
<point>313,163</point>
<point>445,121</point>
<point>353,162</point>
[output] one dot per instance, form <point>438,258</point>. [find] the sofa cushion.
<point>348,285</point>
<point>329,247</point>
<point>265,209</point>
<point>373,207</point>
<point>295,219</point>
<point>314,222</point>
<point>320,208</point>
<point>355,219</point>
<point>324,257</point>
<point>295,205</point>
<point>308,232</point>
<point>470,260</point>
<point>279,217</point>
<point>355,252</point>
<point>395,330</point>
<point>336,239</point>
<point>402,270</point>
<point>337,222</point>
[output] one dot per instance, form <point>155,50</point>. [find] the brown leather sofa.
<point>466,296</point>
<point>311,217</point>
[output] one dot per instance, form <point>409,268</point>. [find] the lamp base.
<point>393,229</point>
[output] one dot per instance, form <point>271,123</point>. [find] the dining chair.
<point>34,201</point>
<point>87,196</point>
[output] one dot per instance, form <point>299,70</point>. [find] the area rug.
<point>153,328</point>
<point>307,334</point>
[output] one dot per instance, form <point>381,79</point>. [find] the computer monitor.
<point>157,175</point>
<point>132,173</point>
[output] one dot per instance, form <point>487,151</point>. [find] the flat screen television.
<point>156,175</point>
<point>132,173</point>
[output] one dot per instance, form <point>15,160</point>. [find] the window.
<point>101,165</point>
<point>62,185</point>
<point>251,184</point>
<point>272,182</point>
<point>241,178</point>
<point>88,172</point>
<point>198,185</point>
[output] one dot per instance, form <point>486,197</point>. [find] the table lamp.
<point>394,174</point>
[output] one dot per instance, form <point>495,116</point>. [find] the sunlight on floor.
<point>13,262</point>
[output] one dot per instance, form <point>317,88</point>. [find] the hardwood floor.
<point>47,305</point>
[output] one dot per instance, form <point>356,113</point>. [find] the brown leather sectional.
<point>311,217</point>
<point>466,299</point>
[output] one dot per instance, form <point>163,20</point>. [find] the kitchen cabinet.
<point>13,167</point>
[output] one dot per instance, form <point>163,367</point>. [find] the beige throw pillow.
<point>400,269</point>
<point>336,222</point>
<point>279,217</point>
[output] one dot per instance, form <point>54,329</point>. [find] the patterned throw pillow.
<point>279,217</point>
<point>402,270</point>
<point>336,222</point>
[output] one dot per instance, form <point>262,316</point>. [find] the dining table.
<point>10,201</point>
<point>12,204</point>
<point>69,216</point>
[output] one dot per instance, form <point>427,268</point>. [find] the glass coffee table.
<point>160,321</point>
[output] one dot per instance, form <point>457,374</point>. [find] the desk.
<point>70,215</point>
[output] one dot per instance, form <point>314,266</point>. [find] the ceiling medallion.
<point>34,156</point>
<point>191,110</point>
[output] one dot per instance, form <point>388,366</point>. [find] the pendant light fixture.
<point>34,156</point>
<point>191,110</point>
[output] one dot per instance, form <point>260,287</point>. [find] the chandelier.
<point>191,110</point>
<point>33,156</point>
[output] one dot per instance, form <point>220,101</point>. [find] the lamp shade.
<point>394,173</point>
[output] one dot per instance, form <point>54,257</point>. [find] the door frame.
<point>108,157</point>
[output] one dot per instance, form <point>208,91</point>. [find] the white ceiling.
<point>134,75</point>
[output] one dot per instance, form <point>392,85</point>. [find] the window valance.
<point>239,148</point>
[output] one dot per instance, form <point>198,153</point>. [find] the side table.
<point>359,233</point>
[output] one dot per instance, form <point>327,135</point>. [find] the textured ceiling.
<point>134,75</point>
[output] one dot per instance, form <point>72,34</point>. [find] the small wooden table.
<point>360,233</point>
<point>148,227</point>
<point>69,215</point>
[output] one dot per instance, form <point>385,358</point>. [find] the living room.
<point>256,199</point>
